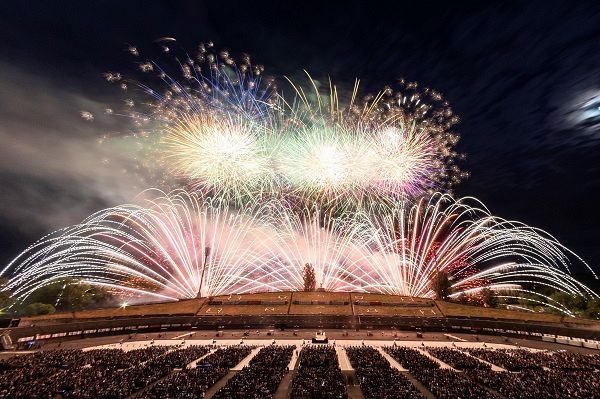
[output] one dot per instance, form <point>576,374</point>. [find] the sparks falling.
<point>182,245</point>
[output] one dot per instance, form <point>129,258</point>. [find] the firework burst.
<point>225,129</point>
<point>348,184</point>
<point>181,246</point>
<point>228,157</point>
<point>410,244</point>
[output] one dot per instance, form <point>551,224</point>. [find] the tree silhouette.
<point>310,280</point>
<point>489,298</point>
<point>440,285</point>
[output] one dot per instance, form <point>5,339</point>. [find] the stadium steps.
<point>354,392</point>
<point>352,386</point>
<point>285,387</point>
<point>147,387</point>
<point>492,365</point>
<point>391,360</point>
<point>426,392</point>
<point>220,384</point>
<point>441,363</point>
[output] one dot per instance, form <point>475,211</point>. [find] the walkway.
<point>247,359</point>
<point>343,359</point>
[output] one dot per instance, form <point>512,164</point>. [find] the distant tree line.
<point>581,306</point>
<point>71,295</point>
<point>64,295</point>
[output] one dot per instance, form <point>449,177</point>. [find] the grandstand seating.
<point>319,375</point>
<point>262,377</point>
<point>153,372</point>
<point>308,303</point>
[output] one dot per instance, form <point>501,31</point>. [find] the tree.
<point>440,285</point>
<point>72,294</point>
<point>489,298</point>
<point>463,298</point>
<point>101,297</point>
<point>5,294</point>
<point>310,280</point>
<point>593,309</point>
<point>37,308</point>
<point>575,303</point>
<point>46,294</point>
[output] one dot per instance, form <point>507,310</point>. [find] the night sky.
<point>523,76</point>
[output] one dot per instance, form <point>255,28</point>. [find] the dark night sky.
<point>517,74</point>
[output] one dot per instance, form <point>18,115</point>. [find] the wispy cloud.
<point>53,169</point>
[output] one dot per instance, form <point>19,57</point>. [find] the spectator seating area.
<point>510,359</point>
<point>448,384</point>
<point>410,358</point>
<point>261,378</point>
<point>109,373</point>
<point>186,372</point>
<point>303,303</point>
<point>443,383</point>
<point>319,375</point>
<point>457,359</point>
<point>377,379</point>
<point>540,384</point>
<point>193,383</point>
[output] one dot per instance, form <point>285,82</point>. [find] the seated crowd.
<point>411,359</point>
<point>568,361</point>
<point>176,372</point>
<point>261,378</point>
<point>377,379</point>
<point>107,373</point>
<point>509,359</point>
<point>536,384</point>
<point>194,382</point>
<point>319,375</point>
<point>449,384</point>
<point>457,359</point>
<point>443,383</point>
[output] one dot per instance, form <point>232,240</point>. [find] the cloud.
<point>53,169</point>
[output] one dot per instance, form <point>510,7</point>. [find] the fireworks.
<point>349,184</point>
<point>228,155</point>
<point>226,130</point>
<point>181,246</point>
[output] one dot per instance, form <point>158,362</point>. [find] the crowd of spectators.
<point>411,359</point>
<point>107,373</point>
<point>377,379</point>
<point>509,359</point>
<point>457,359</point>
<point>261,378</point>
<point>541,384</point>
<point>568,361</point>
<point>193,383</point>
<point>443,383</point>
<point>182,357</point>
<point>449,384</point>
<point>153,372</point>
<point>319,375</point>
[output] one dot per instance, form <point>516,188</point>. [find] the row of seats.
<point>193,383</point>
<point>162,372</point>
<point>377,379</point>
<point>261,378</point>
<point>319,375</point>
